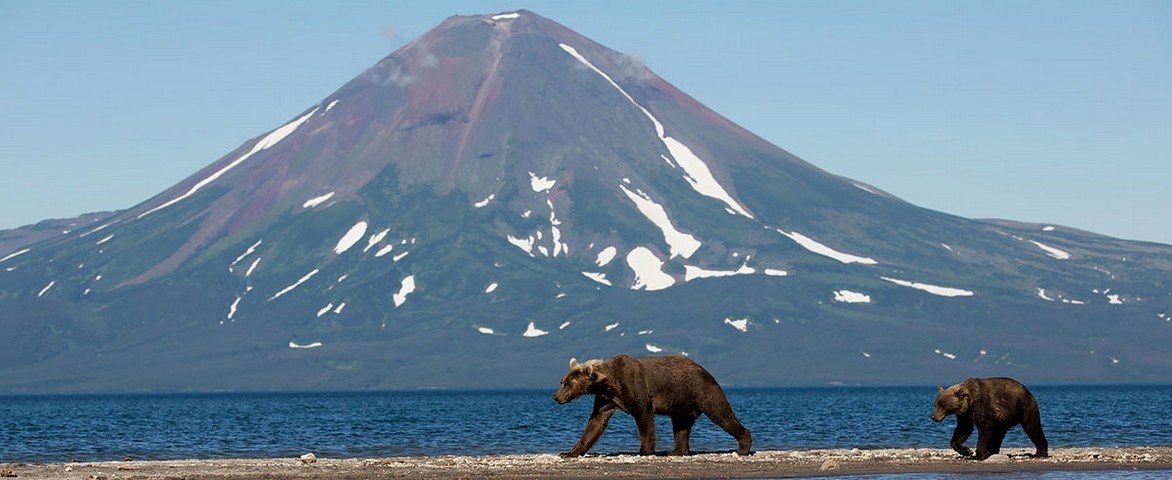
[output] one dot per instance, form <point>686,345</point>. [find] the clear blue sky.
<point>1044,111</point>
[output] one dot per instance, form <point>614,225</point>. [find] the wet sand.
<point>765,464</point>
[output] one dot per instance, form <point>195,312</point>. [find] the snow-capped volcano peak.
<point>430,222</point>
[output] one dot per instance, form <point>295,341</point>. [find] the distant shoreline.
<point>764,464</point>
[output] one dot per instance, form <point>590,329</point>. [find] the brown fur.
<point>644,387</point>
<point>993,405</point>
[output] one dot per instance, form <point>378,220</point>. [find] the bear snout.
<point>938,416</point>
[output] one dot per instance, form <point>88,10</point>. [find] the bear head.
<point>954,400</point>
<point>580,380</point>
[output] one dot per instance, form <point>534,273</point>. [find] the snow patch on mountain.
<point>374,239</point>
<point>15,254</point>
<point>652,348</point>
<point>533,331</point>
<point>530,244</point>
<point>106,239</point>
<point>693,272</point>
<point>385,250</point>
<point>681,244</point>
<point>485,202</point>
<point>96,230</point>
<point>648,270</point>
<point>947,355</point>
<point>597,277</point>
<point>406,287</point>
<point>315,201</point>
<point>251,249</point>
<point>269,140</point>
<point>540,184</point>
<point>933,289</point>
<point>741,324</point>
<point>296,345</point>
<point>555,233</point>
<point>491,287</point>
<point>847,296</point>
<point>294,285</point>
<point>775,272</point>
<point>331,105</point>
<point>1045,296</point>
<point>605,256</point>
<point>232,308</point>
<point>698,176</point>
<point>863,188</point>
<point>506,16</point>
<point>46,289</point>
<point>815,247</point>
<point>252,267</point>
<point>1051,251</point>
<point>351,237</point>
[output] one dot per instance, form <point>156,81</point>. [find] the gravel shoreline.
<point>764,464</point>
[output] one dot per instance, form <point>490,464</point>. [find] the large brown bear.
<point>643,387</point>
<point>994,405</point>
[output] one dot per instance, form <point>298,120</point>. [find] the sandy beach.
<point>776,464</point>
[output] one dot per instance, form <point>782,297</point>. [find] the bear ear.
<point>961,391</point>
<point>573,362</point>
<point>596,376</point>
<point>940,388</point>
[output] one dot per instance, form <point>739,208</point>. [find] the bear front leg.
<point>989,442</point>
<point>645,423</point>
<point>681,425</point>
<point>603,410</point>
<point>964,428</point>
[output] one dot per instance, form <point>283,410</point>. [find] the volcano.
<point>502,194</point>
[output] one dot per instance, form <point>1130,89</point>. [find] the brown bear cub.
<point>643,387</point>
<point>994,405</point>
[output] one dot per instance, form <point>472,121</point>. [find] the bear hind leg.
<point>681,425</point>
<point>1033,428</point>
<point>721,413</point>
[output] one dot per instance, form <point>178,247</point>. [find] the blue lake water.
<point>397,423</point>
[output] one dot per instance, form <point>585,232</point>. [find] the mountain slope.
<point>502,194</point>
